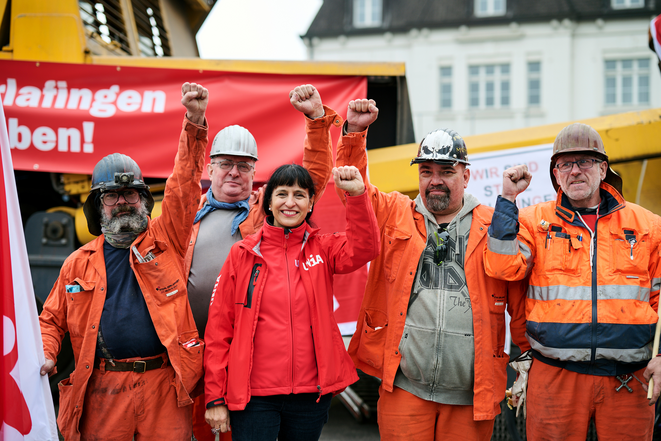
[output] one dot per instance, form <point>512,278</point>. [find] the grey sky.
<point>257,29</point>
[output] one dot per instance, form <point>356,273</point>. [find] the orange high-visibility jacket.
<point>592,298</point>
<point>374,347</point>
<point>161,280</point>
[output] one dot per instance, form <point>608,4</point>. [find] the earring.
<point>269,208</point>
<point>310,209</point>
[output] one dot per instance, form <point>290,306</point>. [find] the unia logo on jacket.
<point>312,261</point>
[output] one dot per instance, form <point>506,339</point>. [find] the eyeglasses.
<point>441,251</point>
<point>226,164</point>
<point>111,198</point>
<point>583,164</point>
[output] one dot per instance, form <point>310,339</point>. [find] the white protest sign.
<point>487,169</point>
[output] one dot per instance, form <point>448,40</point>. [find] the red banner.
<point>66,117</point>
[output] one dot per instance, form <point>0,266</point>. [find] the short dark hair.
<point>286,175</point>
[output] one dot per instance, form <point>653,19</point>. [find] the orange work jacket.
<point>374,346</point>
<point>161,280</point>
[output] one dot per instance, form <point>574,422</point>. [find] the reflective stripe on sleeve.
<point>656,284</point>
<point>506,247</point>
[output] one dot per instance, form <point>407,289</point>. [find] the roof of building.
<point>335,17</point>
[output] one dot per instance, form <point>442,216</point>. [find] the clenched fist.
<point>348,178</point>
<point>195,98</point>
<point>515,180</point>
<point>306,99</point>
<point>360,114</point>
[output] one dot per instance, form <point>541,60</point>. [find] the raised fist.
<point>306,99</point>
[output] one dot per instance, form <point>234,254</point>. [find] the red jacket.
<point>235,306</point>
<point>284,316</point>
<point>80,313</point>
<point>375,344</point>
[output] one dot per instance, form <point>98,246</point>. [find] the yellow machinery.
<point>632,141</point>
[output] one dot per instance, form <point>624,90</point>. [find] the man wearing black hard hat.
<point>122,298</point>
<point>594,270</point>
<point>431,325</point>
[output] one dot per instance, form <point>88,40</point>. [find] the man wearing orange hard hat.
<point>594,275</point>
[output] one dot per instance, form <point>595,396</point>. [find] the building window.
<point>627,4</point>
<point>152,37</point>
<point>534,83</point>
<point>105,22</point>
<point>103,19</point>
<point>367,13</point>
<point>446,88</point>
<point>490,8</point>
<point>489,86</point>
<point>627,82</point>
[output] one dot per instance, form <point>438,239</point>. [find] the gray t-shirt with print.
<point>437,346</point>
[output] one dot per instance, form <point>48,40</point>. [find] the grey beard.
<point>134,222</point>
<point>436,204</point>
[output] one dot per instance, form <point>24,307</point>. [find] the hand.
<point>256,196</point>
<point>218,417</point>
<point>348,178</point>
<point>195,98</point>
<point>361,114</point>
<point>518,394</point>
<point>653,369</point>
<point>306,99</point>
<point>47,367</point>
<point>515,180</point>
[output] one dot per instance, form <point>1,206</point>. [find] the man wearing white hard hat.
<point>227,213</point>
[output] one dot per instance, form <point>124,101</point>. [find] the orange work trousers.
<point>122,406</point>
<point>561,404</point>
<point>403,416</point>
<point>201,429</point>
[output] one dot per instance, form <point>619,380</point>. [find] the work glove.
<point>516,395</point>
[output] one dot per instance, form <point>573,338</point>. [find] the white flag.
<point>26,405</point>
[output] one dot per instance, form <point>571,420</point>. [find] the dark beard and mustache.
<point>435,203</point>
<point>133,222</point>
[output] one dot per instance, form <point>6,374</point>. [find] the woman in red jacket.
<point>274,354</point>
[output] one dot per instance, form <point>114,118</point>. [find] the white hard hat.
<point>235,141</point>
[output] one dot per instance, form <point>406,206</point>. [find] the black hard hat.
<point>111,173</point>
<point>443,146</point>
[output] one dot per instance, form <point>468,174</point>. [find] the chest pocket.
<point>630,253</point>
<point>161,273</point>
<point>395,243</point>
<point>560,253</point>
<point>79,299</point>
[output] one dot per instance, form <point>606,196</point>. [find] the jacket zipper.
<point>291,318</point>
<point>593,291</point>
<point>593,332</point>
